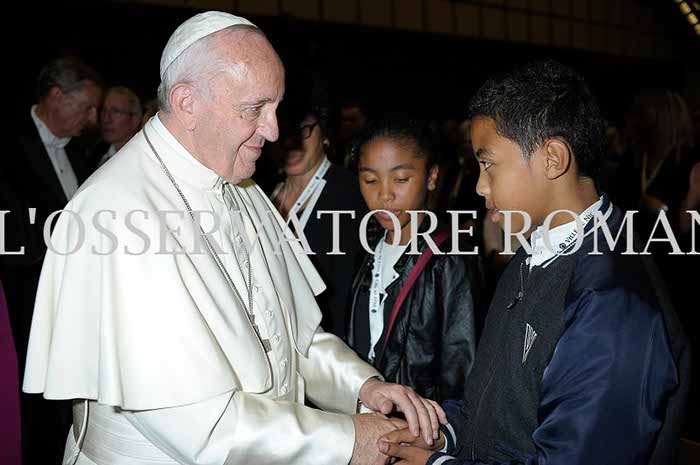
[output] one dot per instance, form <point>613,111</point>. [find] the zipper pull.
<point>515,301</point>
<point>521,292</point>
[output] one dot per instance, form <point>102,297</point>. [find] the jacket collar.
<point>181,163</point>
<point>611,217</point>
<point>48,138</point>
<point>406,258</point>
<point>37,159</point>
<point>560,237</point>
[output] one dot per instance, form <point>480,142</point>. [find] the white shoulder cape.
<point>145,331</point>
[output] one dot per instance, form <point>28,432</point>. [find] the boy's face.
<point>506,180</point>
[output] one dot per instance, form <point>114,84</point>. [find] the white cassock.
<point>159,344</point>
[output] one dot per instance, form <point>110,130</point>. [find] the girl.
<point>416,327</point>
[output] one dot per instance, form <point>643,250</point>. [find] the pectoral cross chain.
<point>265,342</point>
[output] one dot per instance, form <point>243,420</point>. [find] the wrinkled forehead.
<point>250,60</point>
<point>246,47</point>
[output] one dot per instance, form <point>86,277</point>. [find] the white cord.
<point>81,436</point>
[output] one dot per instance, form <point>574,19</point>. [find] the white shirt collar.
<point>47,137</point>
<point>560,238</point>
<point>181,163</point>
<point>110,151</point>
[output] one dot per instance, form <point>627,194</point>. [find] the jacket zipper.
<point>510,306</point>
<point>478,406</point>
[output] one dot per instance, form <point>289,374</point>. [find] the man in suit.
<point>42,169</point>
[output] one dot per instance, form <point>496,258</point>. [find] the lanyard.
<point>571,238</point>
<point>314,187</point>
<point>377,295</point>
<point>264,343</point>
<point>376,298</point>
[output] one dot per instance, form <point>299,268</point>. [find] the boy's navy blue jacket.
<point>581,362</point>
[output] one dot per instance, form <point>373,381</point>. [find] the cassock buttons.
<point>269,313</point>
<point>256,288</point>
<point>283,389</point>
<point>277,338</point>
<point>284,364</point>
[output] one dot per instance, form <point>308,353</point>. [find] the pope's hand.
<point>423,415</point>
<point>369,427</point>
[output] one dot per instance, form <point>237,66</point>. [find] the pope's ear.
<point>558,158</point>
<point>182,105</point>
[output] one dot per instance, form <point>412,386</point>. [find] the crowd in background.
<point>331,156</point>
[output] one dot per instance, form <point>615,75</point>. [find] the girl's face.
<point>395,178</point>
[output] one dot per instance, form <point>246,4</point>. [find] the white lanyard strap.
<point>566,245</point>
<point>312,203</point>
<point>316,181</point>
<point>376,299</point>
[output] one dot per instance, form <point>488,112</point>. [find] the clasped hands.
<point>380,439</point>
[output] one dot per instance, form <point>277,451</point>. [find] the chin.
<point>295,171</point>
<point>243,173</point>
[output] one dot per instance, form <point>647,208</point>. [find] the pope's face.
<point>238,115</point>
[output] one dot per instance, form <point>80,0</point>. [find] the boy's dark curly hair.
<point>544,100</point>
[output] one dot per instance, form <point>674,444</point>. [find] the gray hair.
<point>196,65</point>
<point>68,74</point>
<point>131,97</point>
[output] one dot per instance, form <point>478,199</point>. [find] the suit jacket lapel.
<point>39,162</point>
<point>78,157</point>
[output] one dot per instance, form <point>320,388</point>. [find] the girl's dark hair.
<point>404,130</point>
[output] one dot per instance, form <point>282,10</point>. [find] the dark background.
<point>430,74</point>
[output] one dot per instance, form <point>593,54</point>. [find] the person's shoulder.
<point>344,187</point>
<point>618,285</point>
<point>341,174</point>
<point>341,178</point>
<point>121,182</point>
<point>608,270</point>
<point>600,264</point>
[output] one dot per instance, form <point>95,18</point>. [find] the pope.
<point>206,355</point>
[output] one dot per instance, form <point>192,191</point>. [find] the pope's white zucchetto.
<point>193,29</point>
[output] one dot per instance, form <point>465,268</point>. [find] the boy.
<point>581,360</point>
